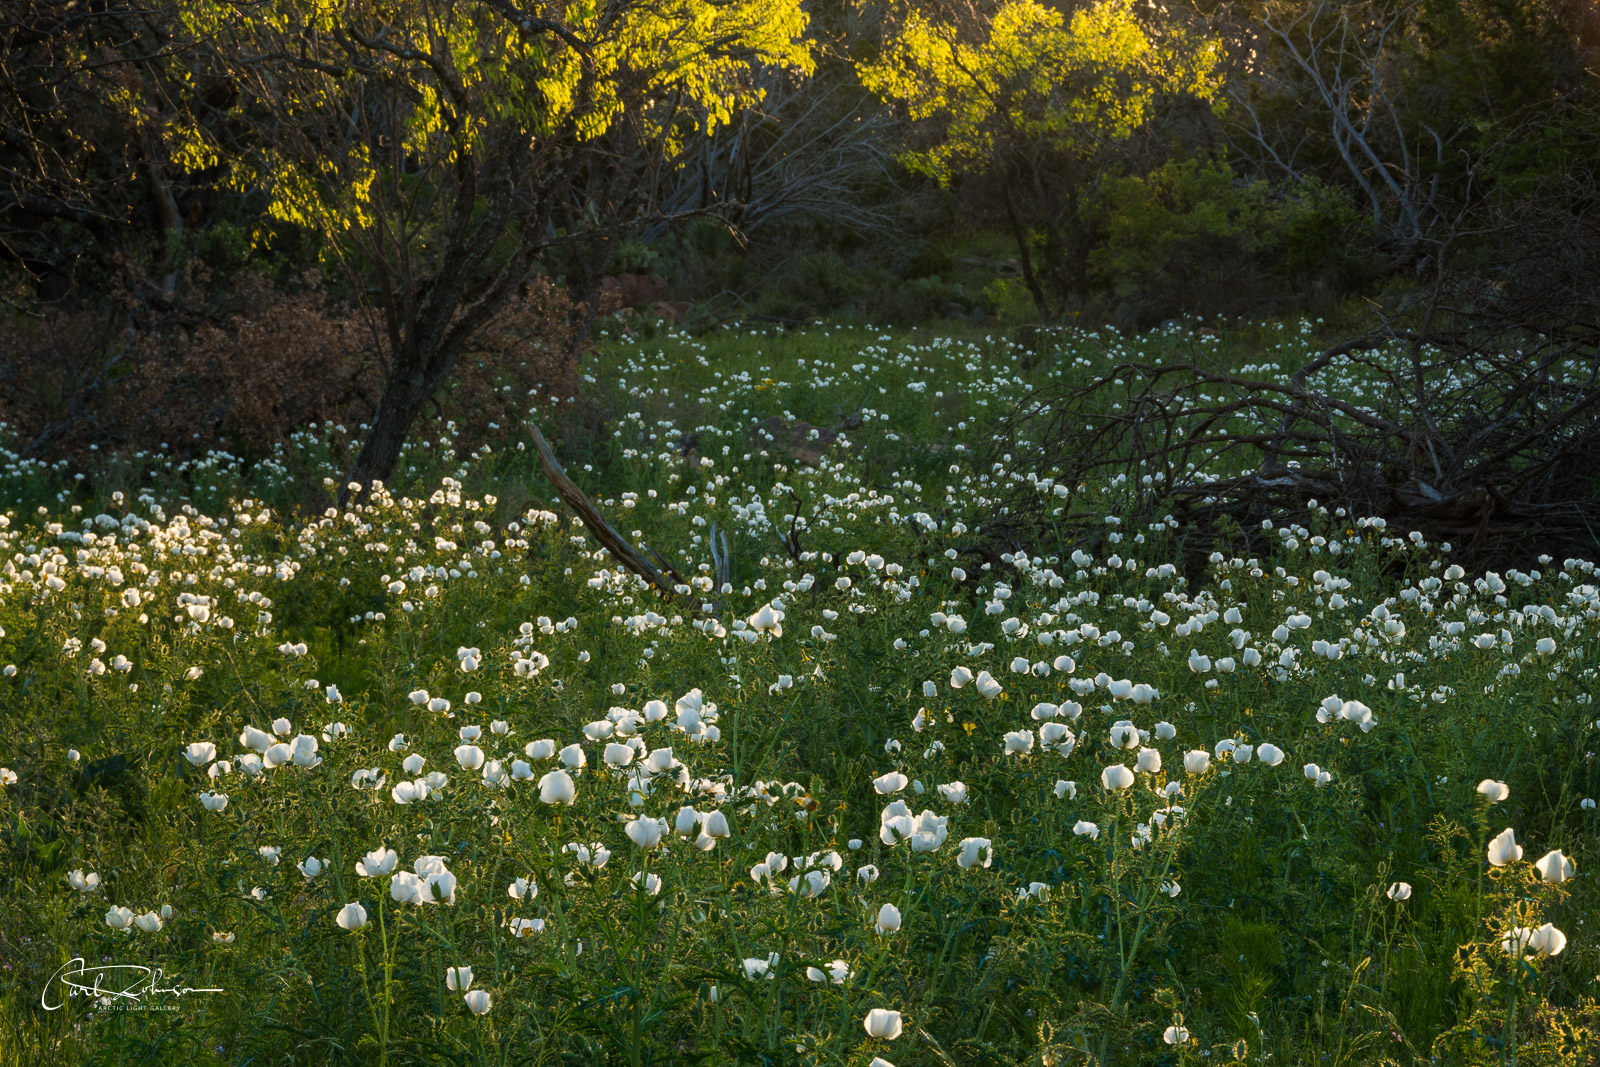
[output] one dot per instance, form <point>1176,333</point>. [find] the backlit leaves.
<point>1036,76</point>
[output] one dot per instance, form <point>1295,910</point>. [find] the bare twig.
<point>791,540</point>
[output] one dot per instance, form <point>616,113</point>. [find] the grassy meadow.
<point>432,779</point>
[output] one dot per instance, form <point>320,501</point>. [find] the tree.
<point>440,146</point>
<point>95,121</point>
<point>1402,101</point>
<point>1019,93</point>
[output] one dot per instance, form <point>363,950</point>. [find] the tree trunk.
<point>1081,234</point>
<point>1068,236</point>
<point>433,316</point>
<point>1024,255</point>
<point>169,221</point>
<point>398,408</point>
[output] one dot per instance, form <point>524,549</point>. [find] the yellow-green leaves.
<point>680,47</point>
<point>189,147</point>
<point>1035,76</point>
<point>472,70</point>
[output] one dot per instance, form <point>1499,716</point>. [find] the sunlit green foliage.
<point>1033,75</point>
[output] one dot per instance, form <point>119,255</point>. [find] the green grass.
<point>1252,916</point>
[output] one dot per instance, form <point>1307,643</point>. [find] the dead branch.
<point>615,543</point>
<point>1488,440</point>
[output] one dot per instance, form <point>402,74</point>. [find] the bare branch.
<point>604,532</point>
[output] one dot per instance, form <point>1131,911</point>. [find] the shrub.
<point>248,375</point>
<point>1190,235</point>
<point>1010,299</point>
<point>825,281</point>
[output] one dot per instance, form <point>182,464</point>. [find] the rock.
<point>671,311</point>
<point>637,291</point>
<point>805,442</point>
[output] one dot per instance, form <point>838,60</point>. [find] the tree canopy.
<point>440,146</point>
<point>1034,76</point>
<point>1029,95</point>
<point>443,82</point>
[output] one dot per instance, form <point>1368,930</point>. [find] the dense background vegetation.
<point>203,196</point>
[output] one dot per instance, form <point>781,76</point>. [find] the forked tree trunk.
<point>1024,252</point>
<point>431,319</point>
<point>420,361</point>
<point>398,408</point>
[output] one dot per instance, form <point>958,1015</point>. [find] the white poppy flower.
<point>557,787</point>
<point>1504,849</point>
<point>883,1023</point>
<point>378,862</point>
<point>975,852</point>
<point>1555,867</point>
<point>1493,791</point>
<point>1116,776</point>
<point>644,832</point>
<point>891,782</point>
<point>1019,742</point>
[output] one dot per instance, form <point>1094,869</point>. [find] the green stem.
<point>1139,932</point>
<point>388,987</point>
<point>361,966</point>
<point>1516,990</point>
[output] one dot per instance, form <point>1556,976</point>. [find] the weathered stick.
<point>615,543</point>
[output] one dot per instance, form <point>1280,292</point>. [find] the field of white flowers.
<point>433,779</point>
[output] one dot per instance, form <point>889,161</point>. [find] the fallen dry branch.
<point>1490,443</point>
<point>620,547</point>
